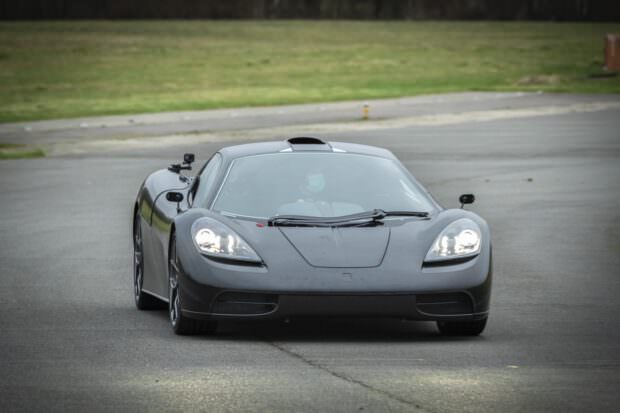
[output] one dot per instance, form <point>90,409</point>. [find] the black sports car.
<point>305,227</point>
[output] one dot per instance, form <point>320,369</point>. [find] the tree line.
<point>561,10</point>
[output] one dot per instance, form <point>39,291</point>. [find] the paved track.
<point>72,340</point>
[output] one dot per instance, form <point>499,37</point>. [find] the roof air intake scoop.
<point>305,140</point>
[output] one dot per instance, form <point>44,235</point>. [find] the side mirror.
<point>174,197</point>
<point>467,199</point>
<point>189,158</point>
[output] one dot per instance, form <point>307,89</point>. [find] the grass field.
<point>10,151</point>
<point>68,69</point>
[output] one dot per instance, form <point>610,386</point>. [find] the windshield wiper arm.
<point>291,221</point>
<point>303,220</point>
<point>375,215</point>
<point>421,214</point>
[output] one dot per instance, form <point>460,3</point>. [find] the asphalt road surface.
<point>549,186</point>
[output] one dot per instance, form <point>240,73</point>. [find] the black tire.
<point>181,324</point>
<point>463,328</point>
<point>143,300</point>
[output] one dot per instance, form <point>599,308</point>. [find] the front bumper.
<point>286,284</point>
<point>397,288</point>
<point>244,305</point>
<point>204,301</point>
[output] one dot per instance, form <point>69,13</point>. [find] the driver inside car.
<point>313,192</point>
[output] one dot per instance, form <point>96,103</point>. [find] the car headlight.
<point>215,239</point>
<point>460,239</point>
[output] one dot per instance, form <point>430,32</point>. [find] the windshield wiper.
<point>362,218</point>
<point>304,220</point>
<point>420,214</point>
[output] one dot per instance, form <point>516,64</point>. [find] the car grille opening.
<point>444,304</point>
<point>234,303</point>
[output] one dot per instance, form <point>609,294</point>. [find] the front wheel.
<point>463,328</point>
<point>181,324</point>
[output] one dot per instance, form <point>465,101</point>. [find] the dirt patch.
<point>539,80</point>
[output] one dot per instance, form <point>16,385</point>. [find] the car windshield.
<point>317,185</point>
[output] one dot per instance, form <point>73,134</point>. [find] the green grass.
<point>10,151</point>
<point>68,69</point>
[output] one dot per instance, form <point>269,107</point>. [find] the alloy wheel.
<point>174,306</point>
<point>138,264</point>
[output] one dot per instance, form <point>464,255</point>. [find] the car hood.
<point>286,256</point>
<point>339,247</point>
<point>400,243</point>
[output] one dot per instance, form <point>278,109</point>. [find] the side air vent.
<point>305,140</point>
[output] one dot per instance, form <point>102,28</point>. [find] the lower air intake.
<point>245,304</point>
<point>444,304</point>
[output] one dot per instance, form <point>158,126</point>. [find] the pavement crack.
<point>341,376</point>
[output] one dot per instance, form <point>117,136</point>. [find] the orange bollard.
<point>612,52</point>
